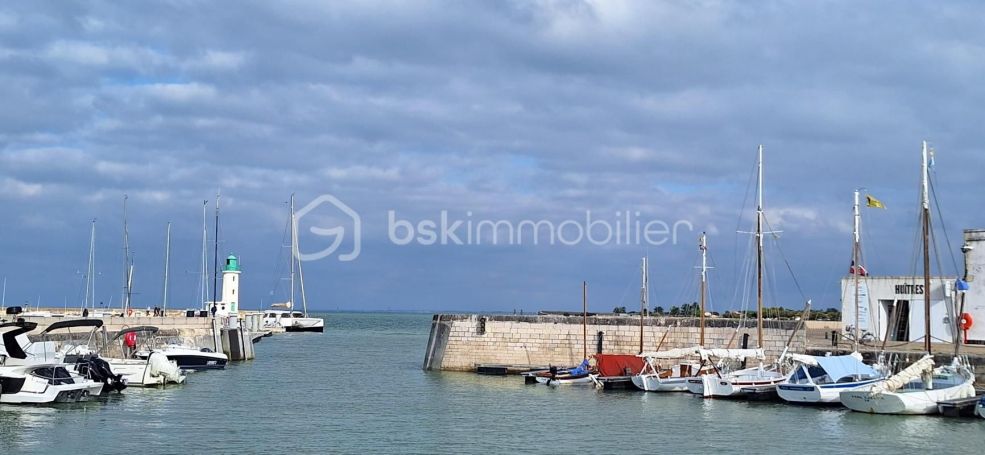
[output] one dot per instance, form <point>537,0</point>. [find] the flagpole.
<point>856,267</point>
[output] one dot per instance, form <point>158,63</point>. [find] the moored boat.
<point>821,379</point>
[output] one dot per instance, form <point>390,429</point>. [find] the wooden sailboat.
<point>918,388</point>
<point>741,382</point>
<point>655,377</point>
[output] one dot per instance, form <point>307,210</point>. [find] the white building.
<point>895,304</point>
<point>892,307</point>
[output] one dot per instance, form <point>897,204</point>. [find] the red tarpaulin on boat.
<point>618,364</point>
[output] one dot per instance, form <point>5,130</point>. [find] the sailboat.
<point>655,377</point>
<point>918,388</point>
<point>759,379</point>
<point>820,380</point>
<point>283,314</point>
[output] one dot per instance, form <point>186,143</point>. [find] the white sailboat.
<point>918,388</point>
<point>283,314</point>
<point>740,382</point>
<point>687,364</point>
<point>821,379</point>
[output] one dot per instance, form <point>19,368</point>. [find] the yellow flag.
<point>873,202</point>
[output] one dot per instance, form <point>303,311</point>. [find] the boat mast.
<point>90,294</point>
<point>125,299</point>
<point>759,250</point>
<point>215,259</point>
<point>294,251</point>
<point>704,283</point>
<point>3,302</point>
<point>204,280</point>
<point>167,267</point>
<point>856,266</point>
<point>644,297</point>
<point>925,215</point>
<point>584,318</point>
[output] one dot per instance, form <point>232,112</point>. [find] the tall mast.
<point>704,284</point>
<point>644,297</point>
<point>204,279</point>
<point>215,259</point>
<point>3,302</point>
<point>925,215</point>
<point>294,251</point>
<point>584,318</point>
<point>759,250</point>
<point>856,266</point>
<point>125,298</point>
<point>167,268</point>
<point>90,294</point>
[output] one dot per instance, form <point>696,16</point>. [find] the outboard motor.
<point>92,367</point>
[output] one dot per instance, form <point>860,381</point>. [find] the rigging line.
<point>279,270</point>
<point>753,174</point>
<point>940,216</point>
<point>785,261</point>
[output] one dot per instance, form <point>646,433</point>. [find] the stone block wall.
<point>460,342</point>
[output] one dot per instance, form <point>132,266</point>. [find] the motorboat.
<point>189,358</point>
<point>154,370</point>
<point>821,379</point>
<point>27,379</point>
<point>580,375</point>
<point>980,410</point>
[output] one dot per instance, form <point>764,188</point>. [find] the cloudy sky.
<point>486,110</point>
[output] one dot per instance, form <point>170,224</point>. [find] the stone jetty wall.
<point>459,342</point>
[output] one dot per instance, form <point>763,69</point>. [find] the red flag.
<point>861,270</point>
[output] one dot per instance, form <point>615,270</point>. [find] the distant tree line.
<point>693,309</point>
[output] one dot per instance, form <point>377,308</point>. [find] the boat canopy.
<point>671,353</point>
<point>10,332</point>
<point>140,328</point>
<point>837,366</point>
<point>737,354</point>
<point>618,364</point>
<point>94,323</point>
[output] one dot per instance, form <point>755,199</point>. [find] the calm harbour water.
<point>359,387</point>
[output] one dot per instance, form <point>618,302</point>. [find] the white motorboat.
<point>821,379</point>
<point>26,378</point>
<point>45,383</point>
<point>154,370</point>
<point>190,358</point>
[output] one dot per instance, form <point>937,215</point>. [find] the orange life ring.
<point>966,321</point>
<point>129,311</point>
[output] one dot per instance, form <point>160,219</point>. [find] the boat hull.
<point>653,383</point>
<point>981,408</point>
<point>916,402</point>
<point>825,394</point>
<point>30,390</point>
<point>710,386</point>
<point>299,328</point>
<point>580,380</point>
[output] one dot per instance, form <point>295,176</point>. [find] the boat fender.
<point>966,321</point>
<point>130,339</point>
